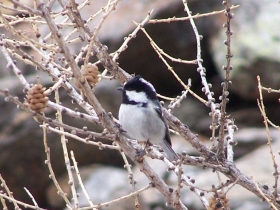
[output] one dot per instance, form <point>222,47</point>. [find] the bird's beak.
<point>120,89</point>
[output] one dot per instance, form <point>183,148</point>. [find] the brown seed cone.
<point>36,99</point>
<point>218,203</point>
<point>90,73</point>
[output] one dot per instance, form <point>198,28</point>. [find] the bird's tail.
<point>170,154</point>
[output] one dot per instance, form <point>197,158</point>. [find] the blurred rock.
<point>191,112</point>
<point>22,153</point>
<point>178,40</point>
<point>249,139</point>
<point>140,57</point>
<point>254,46</point>
<point>108,95</point>
<point>256,163</point>
<point>252,205</point>
<point>119,23</point>
<point>103,183</point>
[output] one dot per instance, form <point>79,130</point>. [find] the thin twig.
<point>154,45</point>
<point>230,139</point>
<point>175,19</point>
<point>201,69</point>
<point>271,90</point>
<point>54,122</point>
<point>31,196</point>
<point>224,97</point>
<point>13,9</point>
<point>184,180</point>
<point>108,11</point>
<point>24,6</point>
<point>124,45</point>
<point>56,86</point>
<point>17,72</point>
<point>10,194</point>
<point>176,102</point>
<point>131,179</point>
<point>269,201</point>
<point>215,111</point>
<point>179,180</point>
<point>233,184</point>
<point>17,202</point>
<point>86,141</point>
<point>75,95</point>
<point>28,40</point>
<point>269,141</point>
<point>52,175</point>
<point>131,36</point>
<point>66,156</point>
<point>3,201</point>
<point>118,199</point>
<point>161,52</point>
<point>80,179</point>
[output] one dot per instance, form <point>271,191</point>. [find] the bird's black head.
<point>138,84</point>
<point>138,91</point>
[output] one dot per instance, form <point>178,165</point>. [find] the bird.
<point>141,117</point>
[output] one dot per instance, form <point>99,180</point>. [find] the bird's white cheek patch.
<point>137,96</point>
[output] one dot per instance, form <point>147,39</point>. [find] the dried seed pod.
<point>90,73</point>
<point>36,99</point>
<point>218,201</point>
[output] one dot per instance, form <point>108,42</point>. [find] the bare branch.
<point>80,179</point>
<point>10,194</point>
<point>118,199</point>
<point>175,19</point>
<point>226,83</point>
<point>269,141</point>
<point>269,201</point>
<point>66,156</point>
<point>52,175</point>
<point>31,196</point>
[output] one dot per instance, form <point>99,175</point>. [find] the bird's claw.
<point>140,155</point>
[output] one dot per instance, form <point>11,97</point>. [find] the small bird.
<point>140,115</point>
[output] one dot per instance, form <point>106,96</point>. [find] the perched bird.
<point>141,115</point>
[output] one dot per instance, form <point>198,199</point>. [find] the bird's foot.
<point>140,155</point>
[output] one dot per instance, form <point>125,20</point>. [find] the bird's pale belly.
<point>142,124</point>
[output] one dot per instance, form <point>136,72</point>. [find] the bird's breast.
<point>142,123</point>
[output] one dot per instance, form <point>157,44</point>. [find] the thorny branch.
<point>56,43</point>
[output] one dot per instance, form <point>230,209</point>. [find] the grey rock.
<point>102,183</point>
<point>251,205</point>
<point>250,139</point>
<point>257,163</point>
<point>191,112</point>
<point>254,46</point>
<point>105,184</point>
<point>108,95</point>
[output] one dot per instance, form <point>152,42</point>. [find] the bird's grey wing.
<point>170,154</point>
<point>157,107</point>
